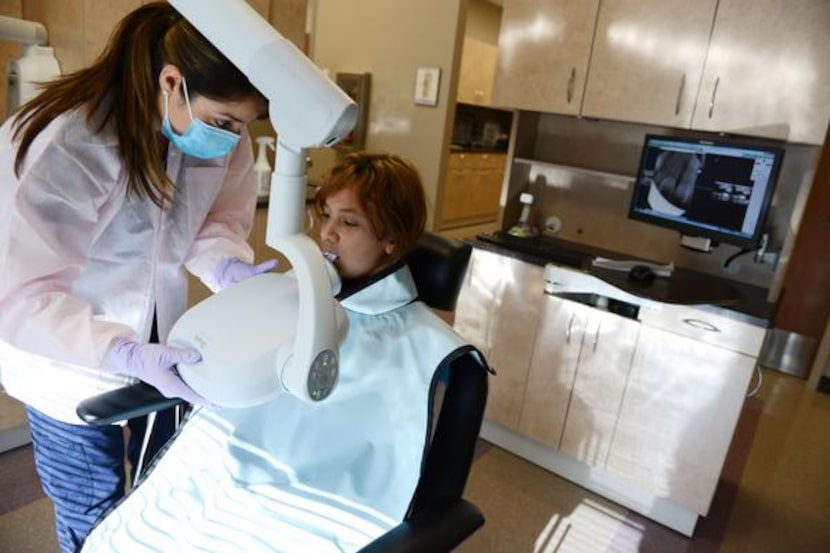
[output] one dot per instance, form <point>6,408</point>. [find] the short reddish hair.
<point>390,192</point>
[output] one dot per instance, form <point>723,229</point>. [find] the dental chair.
<point>438,518</point>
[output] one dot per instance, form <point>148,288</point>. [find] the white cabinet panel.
<point>477,300</point>
<point>680,409</point>
<point>753,67</point>
<point>577,375</point>
<point>604,362</point>
<point>543,55</point>
<point>559,338</point>
<point>647,59</point>
<point>498,311</point>
<point>706,326</point>
<point>767,71</point>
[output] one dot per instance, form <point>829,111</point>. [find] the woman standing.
<point>111,181</point>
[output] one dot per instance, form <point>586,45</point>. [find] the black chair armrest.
<point>123,404</point>
<point>437,530</point>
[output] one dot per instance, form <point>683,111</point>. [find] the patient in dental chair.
<point>333,476</point>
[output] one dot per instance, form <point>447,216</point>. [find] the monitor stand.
<point>697,243</point>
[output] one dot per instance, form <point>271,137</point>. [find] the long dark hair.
<point>122,86</point>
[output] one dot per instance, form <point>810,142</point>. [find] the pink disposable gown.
<point>81,262</point>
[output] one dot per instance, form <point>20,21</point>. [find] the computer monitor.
<point>714,189</point>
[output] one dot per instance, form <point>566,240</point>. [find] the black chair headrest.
<point>438,265</point>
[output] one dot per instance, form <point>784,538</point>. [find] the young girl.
<point>112,180</point>
<point>330,476</point>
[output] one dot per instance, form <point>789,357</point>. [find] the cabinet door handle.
<point>568,331</point>
<point>596,337</point>
<point>571,80</point>
<point>702,325</point>
<point>712,101</point>
<point>680,94</point>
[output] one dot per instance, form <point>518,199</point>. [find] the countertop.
<point>684,286</point>
<point>468,149</point>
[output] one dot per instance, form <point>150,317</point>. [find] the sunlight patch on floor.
<point>590,527</point>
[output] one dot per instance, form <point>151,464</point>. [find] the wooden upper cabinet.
<point>475,78</point>
<point>768,72</point>
<point>472,189</point>
<point>544,48</point>
<point>647,59</point>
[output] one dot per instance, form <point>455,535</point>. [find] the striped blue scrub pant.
<point>83,468</point>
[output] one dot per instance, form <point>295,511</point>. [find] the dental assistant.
<point>112,181</point>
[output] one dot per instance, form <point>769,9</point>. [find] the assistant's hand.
<point>155,364</point>
<point>233,270</point>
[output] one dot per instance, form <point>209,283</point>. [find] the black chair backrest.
<point>451,452</point>
<point>438,265</point>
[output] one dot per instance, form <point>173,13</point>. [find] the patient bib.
<point>291,476</point>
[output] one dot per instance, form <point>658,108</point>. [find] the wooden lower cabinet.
<point>472,189</point>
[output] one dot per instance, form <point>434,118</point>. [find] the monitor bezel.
<point>693,230</point>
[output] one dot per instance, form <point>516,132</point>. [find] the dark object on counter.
<point>545,248</point>
<point>641,273</point>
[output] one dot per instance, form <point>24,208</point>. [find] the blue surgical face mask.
<point>199,139</point>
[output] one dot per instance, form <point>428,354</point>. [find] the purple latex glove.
<point>155,364</point>
<point>233,270</point>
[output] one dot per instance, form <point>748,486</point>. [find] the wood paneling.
<point>805,298</point>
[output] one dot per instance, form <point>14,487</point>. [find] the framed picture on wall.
<point>356,86</point>
<point>427,80</point>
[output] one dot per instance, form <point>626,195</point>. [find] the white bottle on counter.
<point>262,168</point>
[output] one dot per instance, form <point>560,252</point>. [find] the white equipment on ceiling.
<point>37,64</point>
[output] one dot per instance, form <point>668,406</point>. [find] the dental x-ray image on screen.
<point>712,189</point>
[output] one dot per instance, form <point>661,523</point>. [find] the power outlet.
<point>553,224</point>
<point>769,258</point>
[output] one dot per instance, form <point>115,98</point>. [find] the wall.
<point>390,39</point>
<point>593,208</point>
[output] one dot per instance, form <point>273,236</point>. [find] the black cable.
<point>734,256</point>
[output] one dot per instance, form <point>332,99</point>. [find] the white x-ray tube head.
<point>307,110</point>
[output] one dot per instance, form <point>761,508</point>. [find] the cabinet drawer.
<point>461,161</point>
<point>705,325</point>
<point>491,161</point>
<point>468,160</point>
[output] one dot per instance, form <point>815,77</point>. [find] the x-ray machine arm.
<point>307,110</point>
